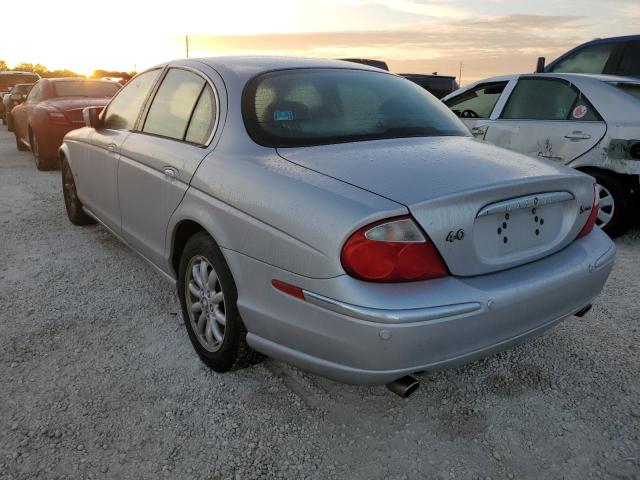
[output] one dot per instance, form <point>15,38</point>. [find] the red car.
<point>54,108</point>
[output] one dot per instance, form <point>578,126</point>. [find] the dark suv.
<point>8,79</point>
<point>437,85</point>
<point>612,56</point>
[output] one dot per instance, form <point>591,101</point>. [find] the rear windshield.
<point>630,88</point>
<point>84,88</point>
<point>307,107</point>
<point>11,79</point>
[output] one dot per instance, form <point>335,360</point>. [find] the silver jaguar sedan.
<point>334,216</point>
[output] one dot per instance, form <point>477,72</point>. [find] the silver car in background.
<point>333,216</point>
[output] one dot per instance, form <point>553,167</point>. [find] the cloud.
<point>487,45</point>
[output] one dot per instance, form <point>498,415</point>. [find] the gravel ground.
<point>99,380</point>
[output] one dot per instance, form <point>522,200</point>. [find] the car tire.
<point>72,203</point>
<point>19,145</point>
<point>4,119</point>
<point>9,122</point>
<point>43,163</point>
<point>215,328</point>
<point>615,203</point>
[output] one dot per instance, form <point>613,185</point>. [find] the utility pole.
<point>186,44</point>
<point>460,75</point>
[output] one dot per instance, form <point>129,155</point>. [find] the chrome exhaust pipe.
<point>405,386</point>
<point>583,311</point>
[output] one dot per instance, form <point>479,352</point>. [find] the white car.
<point>588,122</point>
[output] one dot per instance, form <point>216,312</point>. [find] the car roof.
<point>623,38</point>
<point>244,67</point>
<point>565,76</point>
<point>69,79</point>
<point>425,75</point>
<point>15,72</point>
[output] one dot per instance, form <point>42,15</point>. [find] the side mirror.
<point>91,116</point>
<point>17,97</point>
<point>540,65</point>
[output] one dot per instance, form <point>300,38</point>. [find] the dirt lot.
<point>98,380</point>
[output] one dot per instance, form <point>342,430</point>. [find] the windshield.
<point>630,88</point>
<point>322,106</point>
<point>22,88</point>
<point>85,88</point>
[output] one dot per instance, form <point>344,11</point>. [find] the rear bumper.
<point>357,332</point>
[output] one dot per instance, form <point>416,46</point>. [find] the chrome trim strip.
<point>391,316</point>
<point>528,201</point>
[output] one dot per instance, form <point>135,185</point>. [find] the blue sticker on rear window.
<point>280,115</point>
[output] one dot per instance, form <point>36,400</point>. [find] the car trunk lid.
<point>468,196</point>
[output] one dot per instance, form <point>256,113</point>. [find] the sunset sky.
<point>489,36</point>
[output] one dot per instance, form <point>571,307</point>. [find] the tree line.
<point>46,73</point>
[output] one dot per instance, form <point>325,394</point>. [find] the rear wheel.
<point>4,119</point>
<point>73,205</point>
<point>43,163</point>
<point>9,122</point>
<point>208,297</point>
<point>614,217</point>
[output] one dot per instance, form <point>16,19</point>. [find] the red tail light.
<point>593,214</point>
<point>393,250</point>
<point>58,118</point>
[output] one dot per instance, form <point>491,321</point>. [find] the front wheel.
<point>614,217</point>
<point>208,298</point>
<point>72,203</point>
<point>19,145</point>
<point>9,122</point>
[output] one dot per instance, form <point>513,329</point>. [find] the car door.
<point>22,112</point>
<point>475,106</point>
<point>158,161</point>
<point>547,117</point>
<point>97,171</point>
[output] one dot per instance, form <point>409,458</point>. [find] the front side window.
<point>304,107</point>
<point>547,99</point>
<point>122,113</point>
<point>479,102</point>
<point>85,88</point>
<point>173,104</point>
<point>630,64</point>
<point>590,59</point>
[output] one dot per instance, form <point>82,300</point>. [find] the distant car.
<point>366,61</point>
<point>15,97</point>
<point>10,78</point>
<point>54,108</point>
<point>334,216</point>
<point>438,85</point>
<point>611,56</point>
<point>588,122</point>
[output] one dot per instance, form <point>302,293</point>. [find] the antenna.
<point>460,75</point>
<point>186,44</point>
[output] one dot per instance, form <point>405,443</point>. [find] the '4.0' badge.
<point>453,236</point>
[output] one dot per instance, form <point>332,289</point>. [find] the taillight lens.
<point>393,250</point>
<point>58,118</point>
<point>593,214</point>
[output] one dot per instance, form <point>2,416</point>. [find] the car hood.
<point>74,103</point>
<point>414,170</point>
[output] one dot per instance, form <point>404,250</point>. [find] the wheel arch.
<point>182,232</point>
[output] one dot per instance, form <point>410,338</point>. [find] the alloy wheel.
<point>205,303</point>
<point>607,207</point>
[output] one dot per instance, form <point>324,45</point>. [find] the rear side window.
<point>479,102</point>
<point>630,64</point>
<point>548,99</point>
<point>173,104</point>
<point>304,107</point>
<point>203,118</point>
<point>590,59</point>
<point>122,113</point>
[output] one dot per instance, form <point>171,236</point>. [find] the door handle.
<point>170,172</point>
<point>577,136</point>
<point>112,147</point>
<point>478,130</point>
